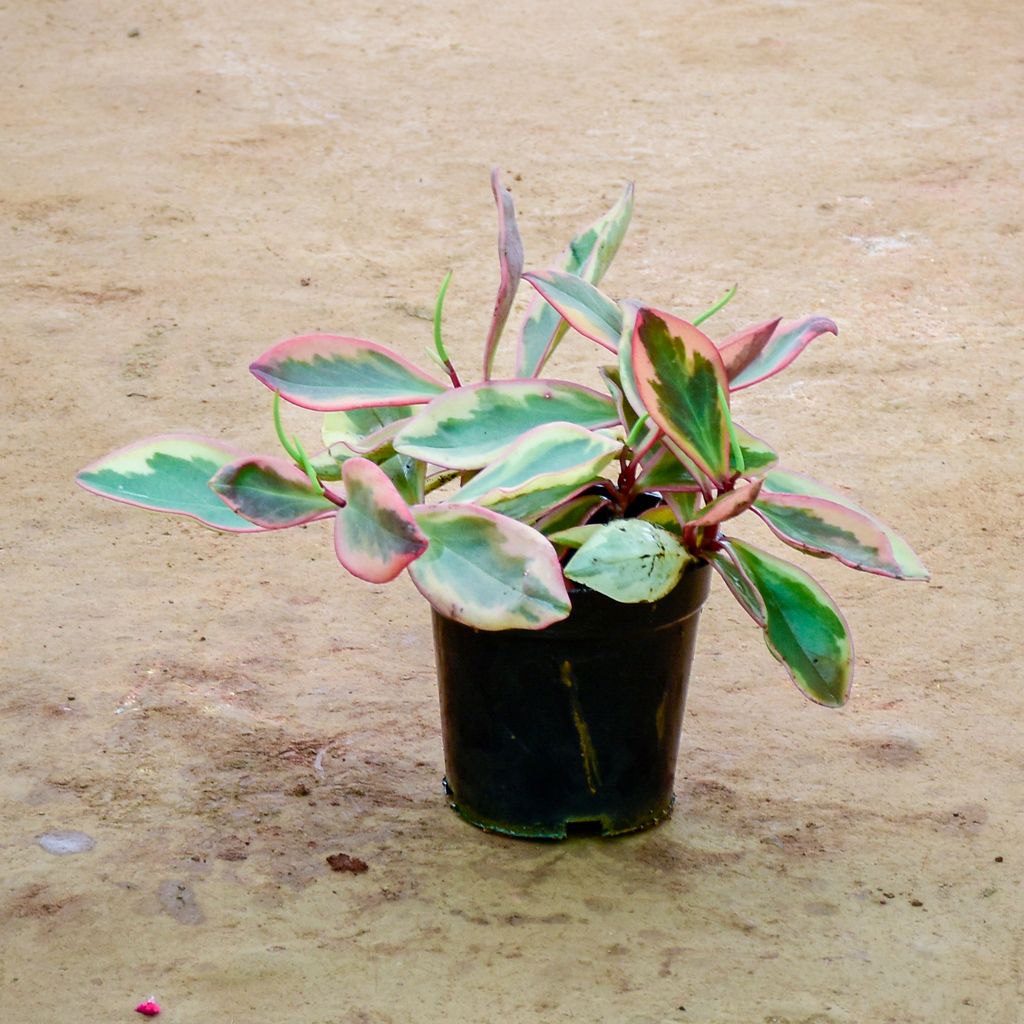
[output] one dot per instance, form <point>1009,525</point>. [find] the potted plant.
<point>564,536</point>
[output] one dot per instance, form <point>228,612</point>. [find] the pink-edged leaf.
<point>585,308</point>
<point>739,350</point>
<point>273,493</point>
<point>821,527</point>
<point>329,373</point>
<point>375,534</point>
<point>488,571</point>
<point>679,378</point>
<point>727,565</point>
<point>510,261</point>
<point>728,506</point>
<point>757,457</point>
<point>762,350</point>
<point>170,473</point>
<point>909,565</point>
<point>588,256</point>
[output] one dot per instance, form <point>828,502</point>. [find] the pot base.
<point>569,828</point>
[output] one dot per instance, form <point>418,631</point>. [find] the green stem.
<point>722,302</point>
<point>637,428</point>
<point>734,441</point>
<point>438,342</point>
<point>279,427</point>
<point>294,447</point>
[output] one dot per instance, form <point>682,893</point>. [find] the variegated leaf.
<point>170,473</point>
<point>727,506</point>
<point>555,455</point>
<point>757,456</point>
<point>662,471</point>
<point>755,353</point>
<point>353,425</point>
<point>488,571</point>
<point>510,260</point>
<point>679,378</point>
<point>407,474</point>
<point>821,527</point>
<point>574,512</point>
<point>574,536</point>
<point>903,563</point>
<point>272,493</point>
<point>375,534</point>
<point>804,628</point>
<point>629,560</point>
<point>585,308</point>
<point>331,373</point>
<point>588,256</point>
<point>663,517</point>
<point>726,564</point>
<point>468,427</point>
<point>612,378</point>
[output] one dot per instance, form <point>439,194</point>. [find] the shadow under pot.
<point>573,729</point>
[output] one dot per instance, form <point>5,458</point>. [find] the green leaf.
<point>805,630</point>
<point>331,373</point>
<point>272,493</point>
<point>629,560</point>
<point>375,534</point>
<point>488,571</point>
<point>585,308</point>
<point>468,427</point>
<point>575,536</point>
<point>678,376</point>
<point>589,255</point>
<point>170,473</point>
<point>559,456</point>
<point>873,545</point>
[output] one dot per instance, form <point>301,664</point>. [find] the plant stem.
<point>722,302</point>
<point>442,354</point>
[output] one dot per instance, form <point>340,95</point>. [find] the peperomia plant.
<point>493,494</point>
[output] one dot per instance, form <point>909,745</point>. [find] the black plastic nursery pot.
<point>573,729</point>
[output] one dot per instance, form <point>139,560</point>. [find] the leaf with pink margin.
<point>510,260</point>
<point>170,473</point>
<point>820,527</point>
<point>679,378</point>
<point>804,629</point>
<point>585,308</point>
<point>728,505</point>
<point>755,353</point>
<point>905,563</point>
<point>332,373</point>
<point>375,533</point>
<point>588,256</point>
<point>488,571</point>
<point>726,564</point>
<point>273,493</point>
